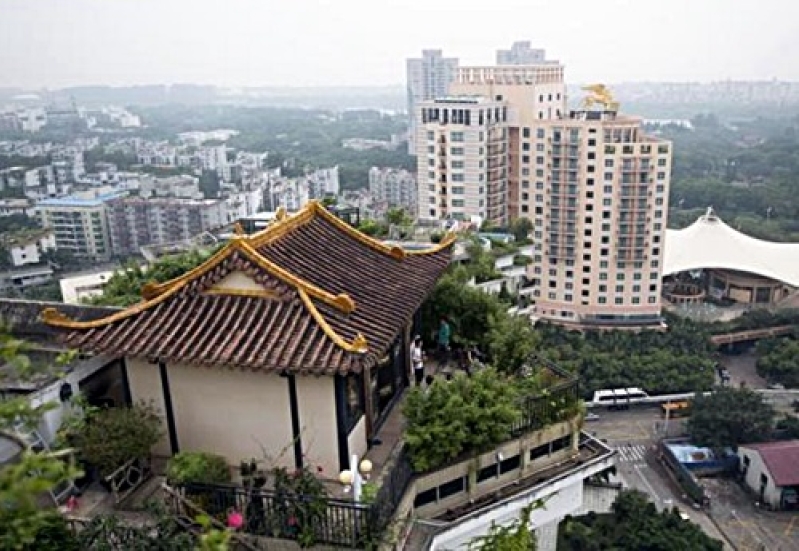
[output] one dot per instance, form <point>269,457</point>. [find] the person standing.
<point>417,360</point>
<point>444,334</point>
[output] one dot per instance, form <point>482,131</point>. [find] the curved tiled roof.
<point>710,243</point>
<point>332,300</point>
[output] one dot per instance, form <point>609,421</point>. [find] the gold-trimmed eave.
<point>359,345</point>
<point>155,295</point>
<point>285,223</point>
<point>342,302</point>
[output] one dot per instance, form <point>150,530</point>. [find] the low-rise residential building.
<point>80,224</point>
<point>135,222</point>
<point>9,207</point>
<point>323,183</point>
<point>395,187</point>
<point>770,471</point>
<point>26,246</point>
<point>288,193</point>
<point>77,289</point>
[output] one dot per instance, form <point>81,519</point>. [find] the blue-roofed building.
<point>79,223</point>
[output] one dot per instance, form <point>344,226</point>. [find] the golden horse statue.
<point>601,95</point>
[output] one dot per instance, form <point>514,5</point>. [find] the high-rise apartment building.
<point>395,187</point>
<point>462,159</point>
<point>593,184</point>
<point>79,224</point>
<point>598,203</point>
<point>428,77</point>
<point>521,53</point>
<point>510,100</point>
<point>134,222</point>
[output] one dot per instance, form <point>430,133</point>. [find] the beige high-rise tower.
<point>599,216</point>
<point>592,182</point>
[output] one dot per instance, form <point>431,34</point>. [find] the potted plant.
<point>113,437</point>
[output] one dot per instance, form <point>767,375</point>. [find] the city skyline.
<point>86,42</point>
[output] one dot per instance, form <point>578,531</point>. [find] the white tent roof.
<point>710,243</point>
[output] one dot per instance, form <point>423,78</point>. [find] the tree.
<point>517,536</point>
<point>521,228</point>
<point>124,287</point>
<point>512,341</point>
<point>465,415</point>
<point>34,473</point>
<point>468,309</point>
<point>634,524</point>
<point>398,217</point>
<point>779,361</point>
<point>729,417</point>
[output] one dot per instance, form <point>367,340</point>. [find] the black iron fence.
<point>392,489</point>
<point>306,519</point>
<point>555,404</point>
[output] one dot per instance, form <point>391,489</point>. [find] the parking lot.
<point>747,527</point>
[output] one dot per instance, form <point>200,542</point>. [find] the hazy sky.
<point>361,42</point>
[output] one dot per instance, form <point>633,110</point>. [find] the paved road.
<point>633,433</point>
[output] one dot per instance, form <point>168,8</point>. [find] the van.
<point>619,397</point>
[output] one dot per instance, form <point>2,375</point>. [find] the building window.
<point>457,178</point>
<point>457,164</point>
<point>459,190</point>
<point>618,300</point>
<point>456,151</point>
<point>456,136</point>
<point>431,135</point>
<point>457,202</point>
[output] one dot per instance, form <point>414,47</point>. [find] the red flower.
<point>292,521</point>
<point>235,520</point>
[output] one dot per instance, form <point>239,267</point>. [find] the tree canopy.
<point>729,417</point>
<point>124,287</point>
<point>778,361</point>
<point>634,524</point>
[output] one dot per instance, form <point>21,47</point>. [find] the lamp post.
<point>353,479</point>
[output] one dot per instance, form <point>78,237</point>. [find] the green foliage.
<point>677,360</point>
<point>521,228</point>
<point>634,524</point>
<point>790,425</point>
<point>398,217</point>
<point>465,415</point>
<point>742,171</point>
<point>198,468</point>
<point>18,222</point>
<point>468,309</point>
<point>373,228</point>
<point>778,361</point>
<point>124,287</point>
<point>23,481</point>
<point>111,437</point>
<point>512,341</point>
<point>730,417</point>
<point>481,263</point>
<point>303,506</point>
<point>517,536</point>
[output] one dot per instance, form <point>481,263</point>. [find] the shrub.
<point>111,437</point>
<point>198,468</point>
<point>465,415</point>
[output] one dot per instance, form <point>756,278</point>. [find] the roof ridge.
<point>155,294</point>
<point>284,223</point>
<point>359,344</point>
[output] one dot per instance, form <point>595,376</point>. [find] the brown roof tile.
<point>333,300</point>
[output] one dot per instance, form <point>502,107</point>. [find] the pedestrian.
<point>417,360</point>
<point>444,335</point>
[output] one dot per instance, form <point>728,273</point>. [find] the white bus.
<point>619,397</point>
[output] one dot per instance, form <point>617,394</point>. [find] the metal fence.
<point>391,491</point>
<point>555,404</point>
<point>303,518</point>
